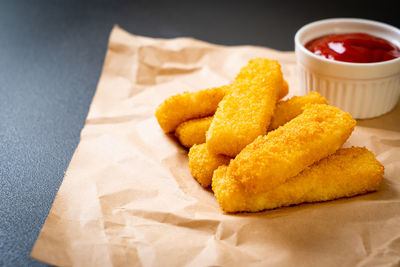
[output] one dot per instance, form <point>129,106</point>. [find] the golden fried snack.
<point>182,107</point>
<point>289,109</point>
<point>202,163</point>
<point>246,110</point>
<point>348,172</point>
<point>273,158</point>
<point>179,108</point>
<point>284,90</point>
<point>193,132</point>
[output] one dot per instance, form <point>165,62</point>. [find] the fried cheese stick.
<point>289,109</point>
<point>283,153</point>
<point>189,105</point>
<point>202,163</point>
<point>193,132</point>
<point>246,110</point>
<point>348,172</point>
<point>284,90</point>
<point>182,107</point>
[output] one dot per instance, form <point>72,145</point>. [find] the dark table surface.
<point>51,56</point>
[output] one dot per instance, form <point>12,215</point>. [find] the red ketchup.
<point>353,47</point>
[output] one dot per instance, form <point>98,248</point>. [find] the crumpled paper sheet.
<point>128,198</point>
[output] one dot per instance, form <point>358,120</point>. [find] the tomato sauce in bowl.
<point>353,47</point>
<point>354,63</point>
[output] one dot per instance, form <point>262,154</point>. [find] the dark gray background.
<point>51,55</point>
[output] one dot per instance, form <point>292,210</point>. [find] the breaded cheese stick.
<point>284,90</point>
<point>189,105</point>
<point>202,163</point>
<point>289,109</point>
<point>193,132</point>
<point>273,158</point>
<point>246,110</point>
<point>348,172</point>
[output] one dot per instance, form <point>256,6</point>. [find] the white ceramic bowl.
<point>365,90</point>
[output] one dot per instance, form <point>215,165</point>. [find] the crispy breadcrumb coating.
<point>246,110</point>
<point>202,163</point>
<point>193,132</point>
<point>284,90</point>
<point>182,107</point>
<point>273,158</point>
<point>348,172</point>
<point>289,109</point>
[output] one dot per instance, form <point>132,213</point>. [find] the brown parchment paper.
<point>128,198</point>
